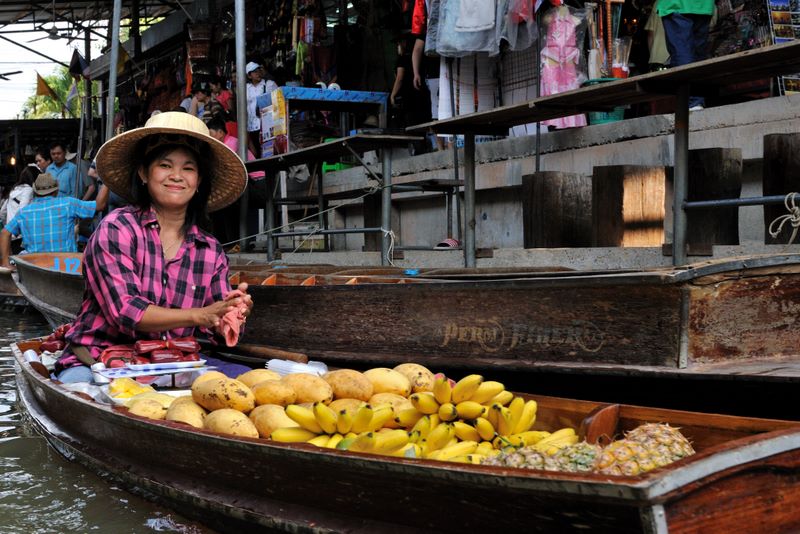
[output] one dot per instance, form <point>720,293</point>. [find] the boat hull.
<point>52,283</point>
<point>299,487</point>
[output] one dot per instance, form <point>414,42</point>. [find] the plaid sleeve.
<point>219,281</point>
<point>82,209</point>
<point>13,225</point>
<point>111,274</point>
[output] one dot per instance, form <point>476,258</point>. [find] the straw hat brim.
<point>115,165</point>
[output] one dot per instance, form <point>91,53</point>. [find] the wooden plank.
<point>707,76</point>
<point>716,173</point>
<point>628,206</point>
<point>781,176</point>
<point>556,210</point>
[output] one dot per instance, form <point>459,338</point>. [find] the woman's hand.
<point>243,298</point>
<point>211,316</point>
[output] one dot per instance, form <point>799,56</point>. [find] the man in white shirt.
<point>195,104</point>
<point>257,87</point>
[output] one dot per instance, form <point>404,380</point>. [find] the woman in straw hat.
<point>151,272</point>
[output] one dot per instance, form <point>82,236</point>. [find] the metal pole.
<point>269,215</point>
<point>455,141</point>
<point>386,205</point>
<point>730,202</point>
<point>469,200</point>
<point>241,112</point>
<point>537,60</point>
<point>112,68</point>
<point>681,180</point>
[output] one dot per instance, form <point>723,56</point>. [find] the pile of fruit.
<point>406,411</point>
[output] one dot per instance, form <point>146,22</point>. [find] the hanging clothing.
<point>458,41</point>
<point>475,15</point>
<point>474,85</point>
<point>560,57</point>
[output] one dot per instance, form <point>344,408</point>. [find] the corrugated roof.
<point>42,12</point>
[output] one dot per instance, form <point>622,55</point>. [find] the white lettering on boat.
<point>491,336</point>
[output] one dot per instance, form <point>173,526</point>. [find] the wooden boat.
<point>745,476</point>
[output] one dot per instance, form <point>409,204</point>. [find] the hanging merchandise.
<point>432,27</point>
<point>474,85</point>
<point>562,65</point>
<point>517,24</point>
<point>463,32</point>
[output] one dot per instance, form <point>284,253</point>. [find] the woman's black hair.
<point>27,176</point>
<point>197,210</point>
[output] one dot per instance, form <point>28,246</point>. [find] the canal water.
<point>40,491</point>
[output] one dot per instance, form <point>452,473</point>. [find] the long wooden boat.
<point>745,476</point>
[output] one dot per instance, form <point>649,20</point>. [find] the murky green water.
<point>40,491</point>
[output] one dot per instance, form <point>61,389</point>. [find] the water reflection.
<point>42,492</point>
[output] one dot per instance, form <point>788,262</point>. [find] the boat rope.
<point>390,251</point>
<point>371,190</point>
<point>793,218</point>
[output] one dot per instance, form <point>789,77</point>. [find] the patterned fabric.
<point>48,223</point>
<point>126,272</point>
<point>560,56</point>
<point>65,176</point>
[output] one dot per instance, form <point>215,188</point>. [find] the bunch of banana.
<point>557,440</point>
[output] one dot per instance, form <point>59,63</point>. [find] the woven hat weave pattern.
<point>115,159</point>
<point>45,184</point>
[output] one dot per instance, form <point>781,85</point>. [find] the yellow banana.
<point>388,442</point>
<point>463,459</point>
<point>551,447</point>
<point>466,432</point>
<point>423,426</point>
<point>413,436</point>
<point>526,418</point>
<point>320,441</point>
<point>362,419</point>
<point>346,442</point>
<point>438,438</point>
<point>485,428</point>
<point>504,422</point>
<point>326,418</point>
<point>502,398</point>
<point>403,452</point>
<point>501,442</point>
<point>486,391</point>
<point>465,388</point>
<point>531,437</point>
<point>515,407</point>
<point>447,412</point>
<point>459,449</point>
<point>470,410</point>
<point>364,442</point>
<point>408,418</point>
<point>343,422</point>
<point>380,417</point>
<point>442,390</point>
<point>424,402</point>
<point>484,448</point>
<point>558,434</point>
<point>303,417</point>
<point>334,441</point>
<point>292,434</point>
<point>435,420</point>
<point>475,458</point>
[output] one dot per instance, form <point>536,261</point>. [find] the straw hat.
<point>115,160</point>
<point>45,185</point>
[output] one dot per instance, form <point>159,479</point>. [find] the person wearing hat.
<point>257,87</point>
<point>151,272</point>
<point>62,170</point>
<point>48,223</point>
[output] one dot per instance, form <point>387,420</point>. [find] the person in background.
<point>412,105</point>
<point>62,170</point>
<point>48,223</point>
<point>257,87</point>
<point>656,42</point>
<point>228,223</point>
<point>195,104</point>
<point>42,158</point>
<point>151,272</point>
<point>686,25</point>
<point>22,192</point>
<point>219,93</point>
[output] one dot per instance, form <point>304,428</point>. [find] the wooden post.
<point>781,176</point>
<point>714,174</point>
<point>556,210</point>
<point>372,219</point>
<point>628,206</point>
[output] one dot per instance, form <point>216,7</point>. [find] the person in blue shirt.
<point>62,170</point>
<point>48,223</point>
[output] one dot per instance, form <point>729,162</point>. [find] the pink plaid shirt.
<point>126,272</point>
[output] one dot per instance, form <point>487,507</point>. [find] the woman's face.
<point>172,179</point>
<point>41,162</point>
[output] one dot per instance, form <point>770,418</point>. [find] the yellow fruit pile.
<point>406,411</point>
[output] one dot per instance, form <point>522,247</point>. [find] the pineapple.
<point>580,457</point>
<point>645,448</point>
<point>525,458</point>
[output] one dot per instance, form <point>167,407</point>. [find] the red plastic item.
<point>166,355</point>
<point>184,344</point>
<point>144,346</point>
<point>53,345</point>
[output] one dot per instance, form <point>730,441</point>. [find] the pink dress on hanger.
<point>560,56</point>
